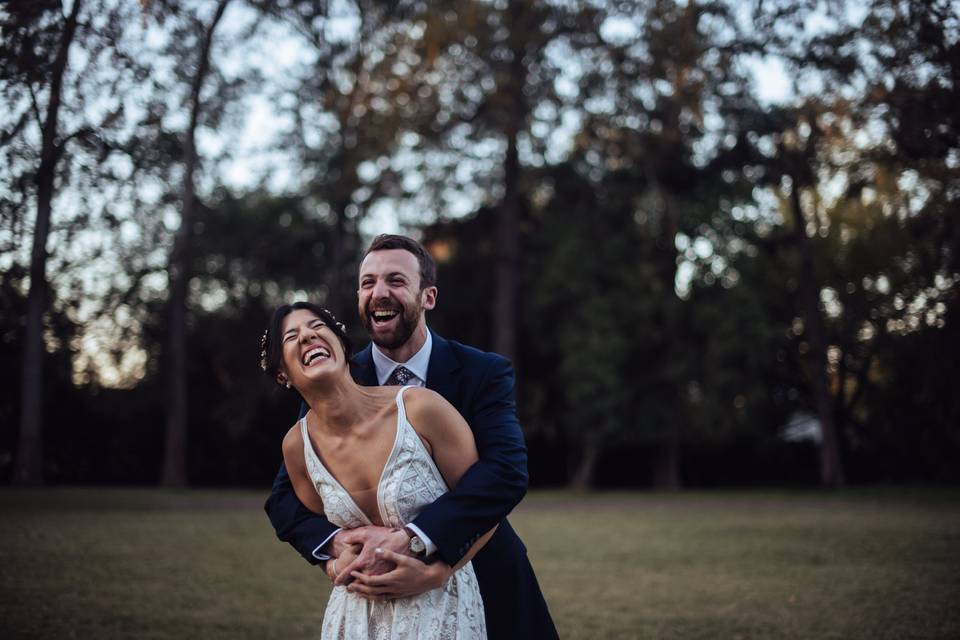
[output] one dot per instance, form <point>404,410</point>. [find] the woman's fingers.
<point>343,577</point>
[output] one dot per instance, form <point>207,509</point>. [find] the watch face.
<point>416,545</point>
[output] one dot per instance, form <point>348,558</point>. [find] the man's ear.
<point>428,298</point>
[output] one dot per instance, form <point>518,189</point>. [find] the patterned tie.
<point>400,376</point>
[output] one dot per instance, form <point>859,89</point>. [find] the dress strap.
<point>303,430</point>
<point>401,410</point>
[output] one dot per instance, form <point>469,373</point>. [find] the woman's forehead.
<point>298,317</point>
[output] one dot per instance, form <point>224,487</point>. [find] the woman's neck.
<point>339,405</point>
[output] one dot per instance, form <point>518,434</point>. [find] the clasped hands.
<point>375,563</point>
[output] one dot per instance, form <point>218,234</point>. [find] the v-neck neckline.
<point>401,415</point>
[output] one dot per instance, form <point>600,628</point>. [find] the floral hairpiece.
<point>339,324</point>
<point>263,349</point>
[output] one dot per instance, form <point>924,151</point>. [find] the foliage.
<point>695,266</point>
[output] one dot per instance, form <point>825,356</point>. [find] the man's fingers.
<point>352,536</point>
<point>398,558</point>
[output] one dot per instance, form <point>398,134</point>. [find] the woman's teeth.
<point>313,354</point>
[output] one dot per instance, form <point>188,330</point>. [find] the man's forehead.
<point>387,261</point>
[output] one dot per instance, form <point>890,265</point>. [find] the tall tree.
<point>358,101</point>
<point>63,113</point>
<point>201,31</point>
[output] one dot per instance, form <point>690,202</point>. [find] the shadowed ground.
<point>92,563</point>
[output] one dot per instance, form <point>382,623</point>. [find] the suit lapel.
<point>443,363</point>
<point>362,369</point>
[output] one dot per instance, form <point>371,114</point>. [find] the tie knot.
<point>400,376</point>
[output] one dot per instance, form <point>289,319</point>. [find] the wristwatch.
<point>416,545</point>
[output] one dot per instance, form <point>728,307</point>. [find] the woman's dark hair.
<point>271,348</point>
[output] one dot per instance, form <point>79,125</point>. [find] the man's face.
<point>390,301</point>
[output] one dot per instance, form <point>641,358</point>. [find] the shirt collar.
<point>417,364</point>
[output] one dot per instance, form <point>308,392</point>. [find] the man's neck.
<point>409,348</point>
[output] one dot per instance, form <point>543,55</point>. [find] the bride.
<point>372,455</point>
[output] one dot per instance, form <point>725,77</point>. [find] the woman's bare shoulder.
<point>419,399</point>
<point>293,440</point>
<point>428,410</point>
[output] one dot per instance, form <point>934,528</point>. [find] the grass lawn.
<point>113,563</point>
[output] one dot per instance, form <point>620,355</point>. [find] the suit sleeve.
<point>293,522</point>
<point>496,483</point>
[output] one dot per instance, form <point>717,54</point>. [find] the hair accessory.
<point>339,324</point>
<point>263,350</point>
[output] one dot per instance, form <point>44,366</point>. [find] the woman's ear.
<point>282,379</point>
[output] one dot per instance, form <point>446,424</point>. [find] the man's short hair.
<point>428,268</point>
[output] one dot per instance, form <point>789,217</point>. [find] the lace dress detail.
<point>410,481</point>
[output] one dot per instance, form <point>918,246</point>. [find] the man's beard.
<point>406,323</point>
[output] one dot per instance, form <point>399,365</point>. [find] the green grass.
<point>91,563</point>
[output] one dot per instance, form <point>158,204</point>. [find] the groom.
<point>396,288</point>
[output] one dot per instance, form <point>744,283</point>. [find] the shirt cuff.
<point>431,548</point>
<point>319,555</point>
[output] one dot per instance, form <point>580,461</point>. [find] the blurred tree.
<point>504,73</point>
<point>650,128</point>
<point>353,107</point>
<point>189,44</point>
<point>62,124</point>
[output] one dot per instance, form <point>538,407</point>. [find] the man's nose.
<point>380,290</point>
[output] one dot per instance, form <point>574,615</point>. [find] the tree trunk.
<point>508,244</point>
<point>340,295</point>
<point>29,466</point>
<point>666,467</point>
<point>831,466</point>
<point>582,478</point>
<point>505,283</point>
<point>174,473</point>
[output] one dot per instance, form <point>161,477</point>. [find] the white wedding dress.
<point>410,481</point>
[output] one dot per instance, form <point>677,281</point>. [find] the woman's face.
<point>311,350</point>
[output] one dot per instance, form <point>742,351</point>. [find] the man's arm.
<point>496,483</point>
<point>294,523</point>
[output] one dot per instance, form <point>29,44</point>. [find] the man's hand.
<point>410,577</point>
<point>370,538</point>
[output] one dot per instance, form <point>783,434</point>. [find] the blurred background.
<point>718,239</point>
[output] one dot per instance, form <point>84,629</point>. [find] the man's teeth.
<point>384,315</point>
<point>313,354</point>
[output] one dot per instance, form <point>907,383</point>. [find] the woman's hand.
<point>335,566</point>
